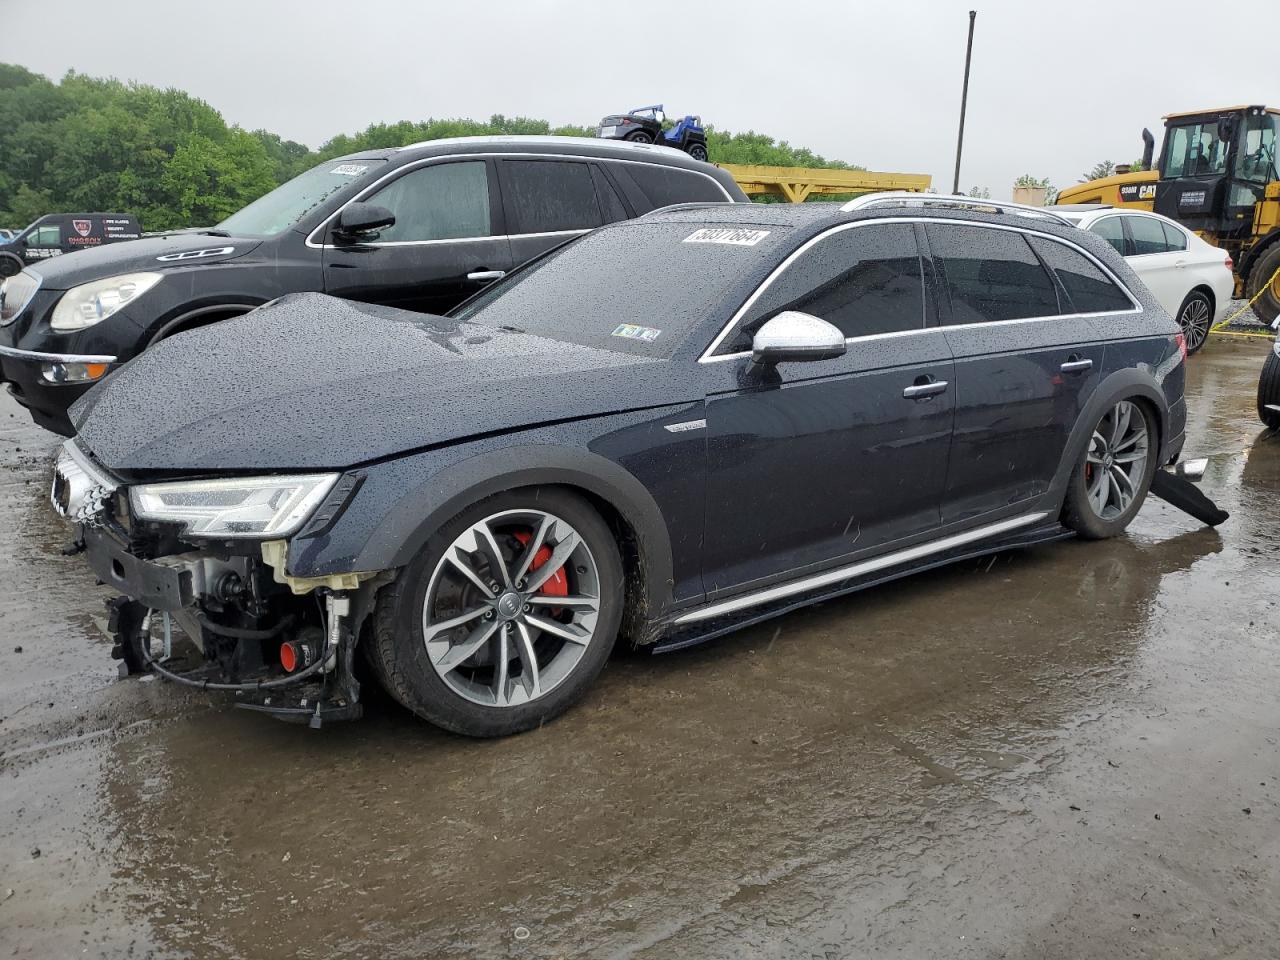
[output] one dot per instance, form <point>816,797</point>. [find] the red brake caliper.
<point>557,585</point>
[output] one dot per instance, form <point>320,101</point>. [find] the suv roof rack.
<point>905,198</point>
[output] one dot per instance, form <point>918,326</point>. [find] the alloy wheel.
<point>1194,321</point>
<point>511,608</point>
<point>1116,461</point>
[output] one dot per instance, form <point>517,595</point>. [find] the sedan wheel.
<point>1195,318</point>
<point>640,136</point>
<point>505,616</point>
<point>1110,483</point>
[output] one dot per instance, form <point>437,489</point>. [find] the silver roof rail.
<point>905,198</point>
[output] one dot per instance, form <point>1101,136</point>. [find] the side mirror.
<point>795,337</point>
<point>358,218</point>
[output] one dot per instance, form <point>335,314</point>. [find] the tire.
<point>1269,391</point>
<point>1094,481</point>
<point>10,266</point>
<point>455,680</point>
<point>1267,308</point>
<point>640,136</point>
<point>1195,317</point>
<point>698,151</point>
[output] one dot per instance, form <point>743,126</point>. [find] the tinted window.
<point>1088,288</point>
<point>443,201</point>
<point>545,196</point>
<point>584,292</point>
<point>667,185</point>
<point>1147,236</point>
<point>610,203</point>
<point>991,274</point>
<point>1111,229</point>
<point>1174,238</point>
<point>865,280</point>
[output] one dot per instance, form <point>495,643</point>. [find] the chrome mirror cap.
<point>792,336</point>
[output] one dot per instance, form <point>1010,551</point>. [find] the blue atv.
<point>644,125</point>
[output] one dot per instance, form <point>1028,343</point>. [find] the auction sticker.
<point>734,236</point>
<point>350,169</point>
<point>633,332</point>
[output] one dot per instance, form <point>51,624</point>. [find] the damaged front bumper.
<point>281,644</point>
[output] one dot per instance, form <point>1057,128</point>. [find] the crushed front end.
<point>206,600</point>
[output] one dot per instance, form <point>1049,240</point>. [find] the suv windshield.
<point>635,287</point>
<point>290,202</point>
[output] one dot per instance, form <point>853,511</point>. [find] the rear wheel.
<point>506,615</point>
<point>640,136</point>
<point>1264,273</point>
<point>1269,391</point>
<point>698,151</point>
<point>1111,481</point>
<point>1195,316</point>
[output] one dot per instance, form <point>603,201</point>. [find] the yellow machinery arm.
<point>794,184</point>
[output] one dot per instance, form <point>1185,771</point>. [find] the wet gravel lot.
<point>1065,752</point>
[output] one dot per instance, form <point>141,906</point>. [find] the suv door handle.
<point>924,388</point>
<point>1076,365</point>
<point>486,275</point>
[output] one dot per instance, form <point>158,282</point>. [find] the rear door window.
<point>865,280</point>
<point>549,196</point>
<point>991,274</point>
<point>1088,288</point>
<point>1147,236</point>
<point>442,201</point>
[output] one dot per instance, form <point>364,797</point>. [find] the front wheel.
<point>1266,272</point>
<point>505,616</point>
<point>1269,391</point>
<point>1195,316</point>
<point>1111,481</point>
<point>10,266</point>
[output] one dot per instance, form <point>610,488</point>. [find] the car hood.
<point>312,382</point>
<point>133,256</point>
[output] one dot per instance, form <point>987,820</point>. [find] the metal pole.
<point>964,100</point>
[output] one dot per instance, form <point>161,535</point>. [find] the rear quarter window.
<point>663,186</point>
<point>1088,288</point>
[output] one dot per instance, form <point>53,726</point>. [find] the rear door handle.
<point>922,391</point>
<point>1076,366</point>
<point>486,275</point>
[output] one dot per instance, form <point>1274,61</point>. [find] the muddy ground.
<point>1065,752</point>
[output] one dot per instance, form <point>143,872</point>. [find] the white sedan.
<point>1191,278</point>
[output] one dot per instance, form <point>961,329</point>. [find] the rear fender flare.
<point>1121,385</point>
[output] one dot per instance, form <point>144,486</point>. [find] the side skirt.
<point>701,631</point>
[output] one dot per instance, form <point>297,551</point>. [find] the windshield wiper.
<point>213,233</point>
<point>511,329</point>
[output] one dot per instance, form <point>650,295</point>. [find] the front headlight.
<point>91,303</point>
<point>236,507</point>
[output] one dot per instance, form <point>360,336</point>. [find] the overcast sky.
<point>1056,86</point>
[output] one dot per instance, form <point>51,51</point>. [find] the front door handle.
<point>485,275</point>
<point>924,388</point>
<point>1076,365</point>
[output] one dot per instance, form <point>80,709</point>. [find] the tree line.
<point>93,144</point>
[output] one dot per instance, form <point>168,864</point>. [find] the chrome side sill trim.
<point>829,577</point>
<point>17,354</point>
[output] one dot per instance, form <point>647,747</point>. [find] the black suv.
<point>422,227</point>
<point>57,233</point>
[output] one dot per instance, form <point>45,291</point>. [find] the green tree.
<point>1103,168</point>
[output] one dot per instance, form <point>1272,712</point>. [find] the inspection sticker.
<point>350,169</point>
<point>734,236</point>
<point>633,332</point>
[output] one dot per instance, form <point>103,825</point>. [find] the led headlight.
<point>91,303</point>
<point>263,507</point>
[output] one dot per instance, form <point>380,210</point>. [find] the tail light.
<point>1230,264</point>
<point>1181,341</point>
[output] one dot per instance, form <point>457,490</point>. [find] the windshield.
<point>635,287</point>
<point>290,202</point>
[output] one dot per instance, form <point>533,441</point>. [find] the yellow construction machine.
<point>1217,175</point>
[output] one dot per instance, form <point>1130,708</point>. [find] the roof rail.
<point>905,199</point>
